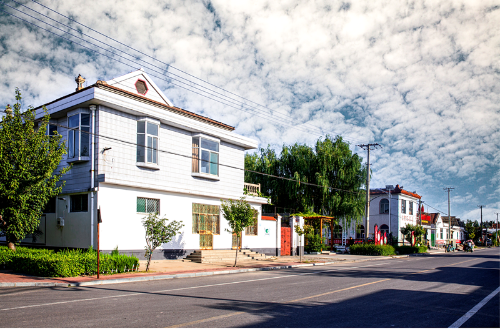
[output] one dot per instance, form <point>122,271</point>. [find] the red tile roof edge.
<point>397,190</point>
<point>268,218</point>
<point>104,85</point>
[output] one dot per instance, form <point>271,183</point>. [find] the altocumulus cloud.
<point>419,77</point>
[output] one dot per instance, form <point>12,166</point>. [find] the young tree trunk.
<point>149,260</point>
<point>11,245</point>
<point>300,247</point>
<point>237,245</point>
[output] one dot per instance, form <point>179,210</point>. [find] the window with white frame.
<point>147,142</point>
<point>410,208</point>
<point>205,156</point>
<point>403,206</point>
<point>78,135</point>
<point>146,205</point>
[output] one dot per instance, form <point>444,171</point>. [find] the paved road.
<point>427,291</point>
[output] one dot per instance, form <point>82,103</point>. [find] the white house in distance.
<point>391,209</point>
<point>141,155</point>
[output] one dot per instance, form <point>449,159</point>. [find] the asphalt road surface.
<point>456,289</point>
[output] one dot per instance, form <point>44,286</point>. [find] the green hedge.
<point>313,243</point>
<point>405,250</point>
<point>65,263</point>
<point>371,249</point>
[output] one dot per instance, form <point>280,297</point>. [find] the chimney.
<point>79,82</point>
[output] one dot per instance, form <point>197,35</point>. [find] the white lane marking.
<point>185,288</point>
<point>170,290</point>
<point>473,311</point>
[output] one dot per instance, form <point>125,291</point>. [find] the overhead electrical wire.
<point>142,53</point>
<point>191,157</point>
<point>254,109</point>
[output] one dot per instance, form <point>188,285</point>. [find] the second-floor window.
<point>78,135</point>
<point>410,208</point>
<point>205,156</point>
<point>51,130</point>
<point>384,206</point>
<point>403,206</point>
<point>147,142</point>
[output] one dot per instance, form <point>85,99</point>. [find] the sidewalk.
<point>170,269</point>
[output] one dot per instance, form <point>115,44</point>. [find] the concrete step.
<point>214,256</point>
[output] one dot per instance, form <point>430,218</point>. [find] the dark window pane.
<point>205,159</point>
<point>74,121</point>
<point>71,143</point>
<point>85,119</point>
<point>140,147</point>
<point>50,207</point>
<point>141,127</point>
<point>79,203</point>
<point>52,129</point>
<point>85,141</point>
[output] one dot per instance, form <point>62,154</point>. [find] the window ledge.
<point>207,176</point>
<point>78,159</point>
<point>148,165</point>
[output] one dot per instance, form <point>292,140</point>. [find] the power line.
<point>191,157</point>
<point>219,101</point>
<point>228,99</point>
<point>153,58</point>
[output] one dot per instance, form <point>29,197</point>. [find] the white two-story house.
<point>132,153</point>
<point>391,209</point>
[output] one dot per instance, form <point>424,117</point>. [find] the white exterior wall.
<point>398,219</point>
<point>120,180</point>
<point>118,165</point>
<point>122,225</point>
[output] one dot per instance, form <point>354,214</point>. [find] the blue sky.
<point>421,78</point>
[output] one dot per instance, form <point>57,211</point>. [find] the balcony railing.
<point>252,189</point>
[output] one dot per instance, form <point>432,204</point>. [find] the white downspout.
<point>92,180</point>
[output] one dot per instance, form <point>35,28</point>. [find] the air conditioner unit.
<point>60,221</point>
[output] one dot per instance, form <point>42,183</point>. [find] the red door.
<point>285,241</point>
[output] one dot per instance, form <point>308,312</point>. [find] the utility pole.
<point>496,236</point>
<point>481,206</point>
<point>368,147</point>
<point>449,217</point>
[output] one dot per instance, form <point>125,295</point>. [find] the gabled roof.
<point>161,101</point>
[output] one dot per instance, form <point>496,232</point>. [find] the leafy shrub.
<point>372,249</point>
<point>405,250</point>
<point>65,263</point>
<point>313,243</point>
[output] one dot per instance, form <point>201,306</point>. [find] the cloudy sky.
<point>421,78</point>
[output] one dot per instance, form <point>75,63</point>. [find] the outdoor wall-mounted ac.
<point>60,221</point>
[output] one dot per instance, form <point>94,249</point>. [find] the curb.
<point>176,276</point>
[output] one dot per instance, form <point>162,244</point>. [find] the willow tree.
<point>337,174</point>
<point>28,160</point>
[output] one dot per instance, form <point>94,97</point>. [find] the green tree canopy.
<point>158,231</point>
<point>239,214</point>
<point>418,230</point>
<point>330,164</point>
<point>28,160</point>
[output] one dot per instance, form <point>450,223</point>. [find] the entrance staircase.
<point>222,256</point>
